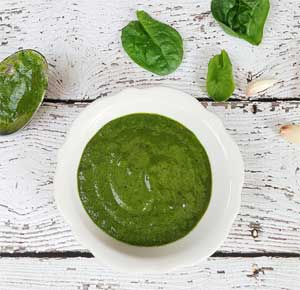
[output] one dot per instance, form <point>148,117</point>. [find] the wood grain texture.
<point>87,274</point>
<point>270,211</point>
<point>81,40</point>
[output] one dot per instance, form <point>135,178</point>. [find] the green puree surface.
<point>145,179</point>
<point>23,82</point>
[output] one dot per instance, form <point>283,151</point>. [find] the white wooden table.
<point>81,40</point>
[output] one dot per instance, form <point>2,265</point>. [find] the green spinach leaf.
<point>23,83</point>
<point>219,82</point>
<point>153,45</point>
<point>242,18</point>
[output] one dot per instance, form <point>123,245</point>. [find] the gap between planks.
<point>79,254</point>
<point>233,100</point>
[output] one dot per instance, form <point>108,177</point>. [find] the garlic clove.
<point>291,133</point>
<point>256,87</point>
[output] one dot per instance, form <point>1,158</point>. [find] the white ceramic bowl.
<point>227,174</point>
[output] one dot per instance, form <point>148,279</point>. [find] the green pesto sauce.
<point>145,179</point>
<point>23,82</point>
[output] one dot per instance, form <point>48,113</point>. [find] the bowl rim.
<point>99,243</point>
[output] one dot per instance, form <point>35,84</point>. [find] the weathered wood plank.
<point>270,212</point>
<point>87,274</point>
<point>81,40</point>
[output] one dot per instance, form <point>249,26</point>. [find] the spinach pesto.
<point>145,179</point>
<point>23,83</point>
